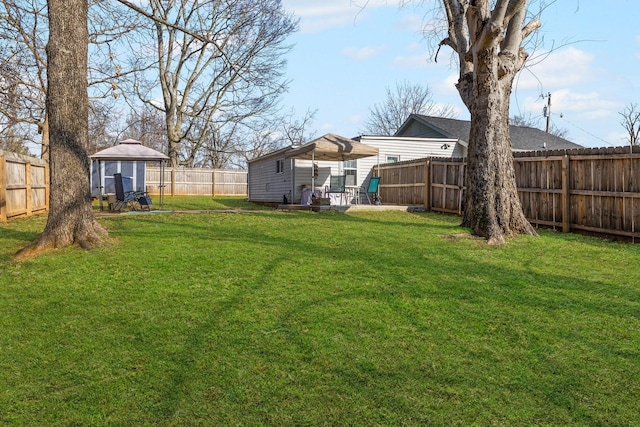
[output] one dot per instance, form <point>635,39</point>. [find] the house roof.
<point>129,149</point>
<point>523,138</point>
<point>334,148</point>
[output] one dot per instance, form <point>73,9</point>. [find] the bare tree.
<point>270,134</point>
<point>71,219</point>
<point>631,123</point>
<point>217,63</point>
<point>295,130</point>
<point>487,37</point>
<point>23,37</point>
<point>146,124</point>
<point>387,117</point>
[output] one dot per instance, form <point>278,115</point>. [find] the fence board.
<point>24,186</point>
<point>596,190</point>
<point>198,182</point>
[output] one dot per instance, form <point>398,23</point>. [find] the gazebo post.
<point>162,163</point>
<point>100,188</point>
<point>313,176</point>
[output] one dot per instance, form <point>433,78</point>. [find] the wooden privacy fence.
<point>436,183</point>
<point>24,186</point>
<point>198,182</point>
<point>594,190</point>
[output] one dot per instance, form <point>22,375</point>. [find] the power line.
<point>587,132</point>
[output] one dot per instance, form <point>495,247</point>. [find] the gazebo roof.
<point>129,149</point>
<point>334,148</point>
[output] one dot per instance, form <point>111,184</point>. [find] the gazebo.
<point>132,151</point>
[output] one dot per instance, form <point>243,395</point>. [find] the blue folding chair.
<point>372,190</point>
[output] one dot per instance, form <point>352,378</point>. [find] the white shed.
<point>286,172</point>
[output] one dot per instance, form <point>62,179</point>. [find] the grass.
<point>199,203</point>
<point>271,318</point>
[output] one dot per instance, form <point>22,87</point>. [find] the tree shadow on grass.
<point>475,304</point>
<point>13,238</point>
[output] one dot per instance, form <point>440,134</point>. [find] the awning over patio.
<point>333,148</point>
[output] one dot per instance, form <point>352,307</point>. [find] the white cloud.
<point>411,22</point>
<point>317,15</point>
<point>355,119</point>
<point>417,60</point>
<point>315,8</point>
<point>589,106</point>
<point>446,88</point>
<point>363,53</point>
<point>327,127</point>
<point>565,67</point>
<point>316,25</point>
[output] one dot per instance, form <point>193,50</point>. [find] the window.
<point>279,166</point>
<point>351,172</point>
<point>393,159</point>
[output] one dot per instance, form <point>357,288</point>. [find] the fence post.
<point>566,196</point>
<point>213,183</point>
<point>27,188</point>
<point>47,180</point>
<point>3,190</point>
<point>427,185</point>
<point>461,185</point>
<point>173,181</point>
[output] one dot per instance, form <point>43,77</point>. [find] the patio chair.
<point>337,185</point>
<point>372,191</point>
<point>125,197</point>
<point>144,201</point>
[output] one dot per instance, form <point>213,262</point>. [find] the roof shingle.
<point>522,138</point>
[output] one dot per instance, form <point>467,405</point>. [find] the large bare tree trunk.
<point>492,207</point>
<point>487,36</point>
<point>71,219</point>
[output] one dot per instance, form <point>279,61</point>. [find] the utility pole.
<point>547,110</point>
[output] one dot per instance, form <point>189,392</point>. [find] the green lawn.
<point>272,318</point>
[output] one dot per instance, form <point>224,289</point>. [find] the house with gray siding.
<point>277,176</point>
<point>523,138</point>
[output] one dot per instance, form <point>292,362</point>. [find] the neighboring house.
<point>290,174</point>
<point>522,138</point>
<point>276,176</point>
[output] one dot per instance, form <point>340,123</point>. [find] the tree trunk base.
<point>87,237</point>
<point>497,235</point>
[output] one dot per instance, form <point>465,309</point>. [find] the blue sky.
<point>344,58</point>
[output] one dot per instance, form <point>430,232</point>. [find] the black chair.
<point>144,201</point>
<point>125,196</point>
